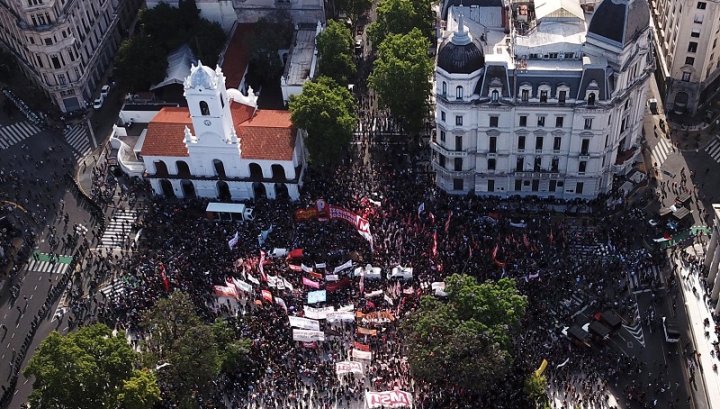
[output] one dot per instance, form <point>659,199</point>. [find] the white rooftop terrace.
<point>300,65</point>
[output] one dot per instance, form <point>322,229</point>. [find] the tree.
<point>327,112</point>
<point>140,63</point>
<point>207,41</point>
<point>401,77</point>
<point>140,391</point>
<point>401,17</point>
<point>335,49</point>
<point>353,8</point>
<point>84,369</point>
<point>166,26</point>
<point>464,342</point>
<point>175,335</point>
<point>535,389</point>
<point>271,34</point>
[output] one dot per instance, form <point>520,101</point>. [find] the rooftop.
<point>300,63</point>
<point>236,58</point>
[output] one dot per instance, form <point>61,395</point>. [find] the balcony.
<point>537,175</point>
<point>451,173</point>
<point>447,153</point>
<point>276,179</point>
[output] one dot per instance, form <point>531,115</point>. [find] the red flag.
<point>361,346</point>
<point>293,267</point>
<point>447,222</point>
<point>434,246</point>
<point>295,253</point>
<point>166,282</point>
<point>267,295</point>
<point>337,285</point>
<point>261,267</point>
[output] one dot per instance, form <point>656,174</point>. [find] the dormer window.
<point>495,96</point>
<point>459,92</point>
<point>543,96</point>
<point>204,108</point>
<point>525,95</point>
<point>591,99</point>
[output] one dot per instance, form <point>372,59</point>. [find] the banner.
<point>314,297</point>
<point>389,399</point>
<point>288,285</point>
<point>345,282</point>
<point>347,308</point>
<point>403,273</point>
<point>234,241</point>
<point>377,317</point>
<point>438,288</point>
<point>304,323</point>
<point>267,295</point>
<point>361,346</point>
<point>358,354</point>
<point>320,265</point>
<point>304,335</point>
<point>262,237</point>
<point>375,293</point>
<point>315,275</point>
<point>367,331</point>
<point>225,291</point>
<point>332,277</point>
<point>373,273</point>
<point>343,267</point>
<point>305,268</point>
<point>317,313</point>
<point>242,285</point>
<point>341,316</point>
<point>302,215</point>
<point>345,367</point>
<point>295,253</point>
<point>310,283</point>
<point>272,281</point>
<point>310,345</point>
<point>253,280</point>
<point>279,301</point>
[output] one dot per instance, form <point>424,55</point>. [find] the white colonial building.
<point>221,146</point>
<point>540,97</point>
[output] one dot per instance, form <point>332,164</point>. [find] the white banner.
<point>373,273</point>
<point>389,399</point>
<point>376,293</point>
<point>359,354</point>
<point>340,316</point>
<point>234,241</point>
<point>242,285</point>
<point>272,281</point>
<point>332,277</point>
<point>438,288</point>
<point>405,273</point>
<point>304,323</point>
<point>320,265</point>
<point>347,308</point>
<point>305,268</point>
<point>314,297</point>
<point>253,280</point>
<point>279,252</point>
<point>318,313</point>
<point>345,367</point>
<point>303,335</point>
<point>288,285</point>
<point>343,267</point>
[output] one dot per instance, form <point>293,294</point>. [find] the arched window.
<point>278,173</point>
<point>161,169</point>
<point>444,89</point>
<point>495,95</point>
<point>183,169</point>
<point>204,108</point>
<point>219,168</point>
<point>256,172</point>
<point>458,92</point>
<point>591,99</point>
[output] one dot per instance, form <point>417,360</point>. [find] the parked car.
<point>104,91</point>
<point>98,103</point>
<point>672,333</point>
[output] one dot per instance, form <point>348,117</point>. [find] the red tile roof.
<point>264,134</point>
<point>237,55</point>
<point>166,133</point>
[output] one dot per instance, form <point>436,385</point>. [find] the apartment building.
<point>65,46</point>
<point>542,97</point>
<point>686,38</point>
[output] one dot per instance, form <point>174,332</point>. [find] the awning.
<point>578,333</point>
<point>683,198</point>
<point>665,211</point>
<point>225,207</point>
<point>681,213</point>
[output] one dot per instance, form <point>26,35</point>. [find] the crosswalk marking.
<point>78,138</point>
<point>661,151</point>
<point>713,149</point>
<point>16,133</point>
<point>643,276</point>
<point>118,229</point>
<point>113,291</point>
<point>43,266</point>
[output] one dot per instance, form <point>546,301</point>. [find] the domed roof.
<point>201,76</point>
<point>460,54</point>
<point>620,21</point>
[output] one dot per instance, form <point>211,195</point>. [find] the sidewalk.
<point>697,311</point>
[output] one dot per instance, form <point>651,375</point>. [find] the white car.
<point>104,91</point>
<point>98,103</point>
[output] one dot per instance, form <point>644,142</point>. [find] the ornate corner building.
<point>543,97</point>
<point>65,46</point>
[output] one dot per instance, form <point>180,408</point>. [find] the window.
<point>535,185</point>
<point>491,185</point>
<point>561,97</point>
<point>525,95</point>
<point>553,184</point>
<point>591,99</point>
<point>538,164</point>
<point>55,62</point>
<point>204,109</point>
<point>579,188</point>
<point>523,120</point>
<point>458,142</point>
<point>695,33</point>
<point>520,164</point>
<point>622,125</point>
<point>442,116</point>
<point>692,47</point>
<point>554,164</point>
<point>48,41</point>
<point>701,5</point>
<point>538,143</point>
<point>441,160</point>
<point>582,166</point>
<point>458,92</point>
<point>518,185</point>
<point>458,120</point>
<point>444,89</point>
<point>491,164</point>
<point>543,96</point>
<point>585,147</point>
<point>521,143</point>
<point>492,144</point>
<point>557,141</point>
<point>495,96</point>
<point>689,60</point>
<point>588,123</point>
<point>553,56</point>
<point>606,140</point>
<point>61,79</point>
<point>458,184</point>
<point>494,121</point>
<point>458,164</point>
<point>686,76</point>
<point>559,121</point>
<point>541,121</point>
<point>699,17</point>
<point>569,56</point>
<point>442,136</point>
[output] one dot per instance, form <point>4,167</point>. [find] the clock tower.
<point>209,107</point>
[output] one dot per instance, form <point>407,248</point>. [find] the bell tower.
<point>209,106</point>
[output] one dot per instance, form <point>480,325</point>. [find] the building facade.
<point>221,145</point>
<point>712,259</point>
<point>686,37</point>
<point>542,97</point>
<point>65,46</point>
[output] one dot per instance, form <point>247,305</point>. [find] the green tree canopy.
<point>401,77</point>
<point>207,41</point>
<point>335,49</point>
<point>140,63</point>
<point>270,35</point>
<point>401,17</point>
<point>353,8</point>
<point>327,112</point>
<point>465,341</point>
<point>84,369</point>
<point>139,391</point>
